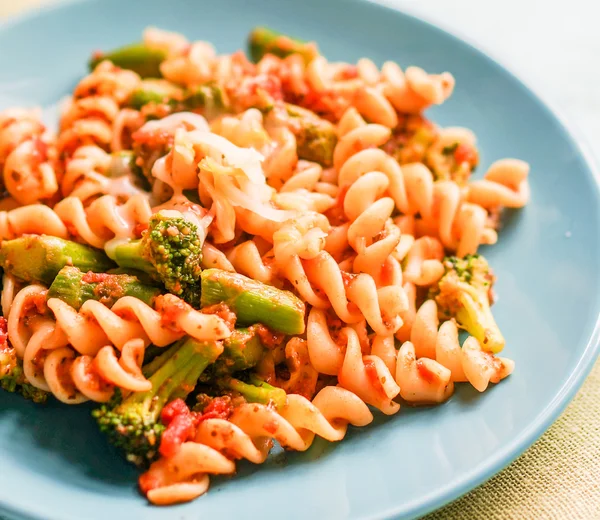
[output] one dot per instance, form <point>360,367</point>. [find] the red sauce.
<point>424,371</point>
<point>465,153</point>
<point>91,277</point>
<point>181,427</point>
<point>373,377</point>
<point>4,345</point>
<point>170,308</point>
<point>271,426</point>
<point>349,72</point>
<point>270,339</point>
<point>218,408</point>
<point>222,311</point>
<point>148,481</point>
<point>348,278</point>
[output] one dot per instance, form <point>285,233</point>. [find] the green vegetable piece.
<point>315,137</point>
<point>241,351</point>
<point>133,424</point>
<point>76,287</point>
<point>463,294</point>
<point>210,99</point>
<point>253,301</point>
<point>39,258</point>
<point>155,91</point>
<point>122,164</point>
<point>170,250</point>
<point>136,57</point>
<point>263,41</point>
<point>257,391</point>
<point>12,377</point>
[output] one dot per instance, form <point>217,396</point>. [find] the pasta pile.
<point>224,253</point>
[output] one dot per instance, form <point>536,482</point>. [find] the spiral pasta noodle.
<point>247,435</point>
<point>92,123</point>
<point>27,156</point>
<point>246,252</point>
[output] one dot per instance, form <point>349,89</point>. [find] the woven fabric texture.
<point>557,478</point>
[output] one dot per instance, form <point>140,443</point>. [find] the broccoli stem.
<point>315,137</point>
<point>136,57</point>
<point>133,424</point>
<point>179,372</point>
<point>129,254</point>
<point>475,316</point>
<point>39,258</point>
<point>257,391</point>
<point>241,351</point>
<point>252,301</point>
<point>76,287</point>
<point>263,40</point>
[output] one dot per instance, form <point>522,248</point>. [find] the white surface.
<point>554,45</point>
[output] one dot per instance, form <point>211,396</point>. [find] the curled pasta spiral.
<point>505,184</point>
<point>461,226</point>
<point>430,341</point>
<point>81,355</point>
<point>74,378</point>
<point>92,172</point>
<point>184,476</point>
<point>27,156</point>
<point>32,219</point>
<point>414,90</point>
<point>95,325</point>
<point>89,116</point>
<point>248,434</point>
<point>314,273</point>
<point>103,219</point>
<point>253,259</point>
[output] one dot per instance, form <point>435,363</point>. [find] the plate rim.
<point>492,466</point>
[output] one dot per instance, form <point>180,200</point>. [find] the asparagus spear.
<point>75,287</point>
<point>263,40</point>
<point>315,137</point>
<point>257,391</point>
<point>136,57</point>
<point>252,301</point>
<point>39,258</point>
<point>154,91</point>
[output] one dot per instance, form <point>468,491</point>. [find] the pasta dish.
<point>226,252</point>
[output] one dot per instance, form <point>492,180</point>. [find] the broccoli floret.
<point>255,391</point>
<point>133,424</point>
<point>315,137</point>
<point>463,293</point>
<point>170,251</point>
<point>12,377</point>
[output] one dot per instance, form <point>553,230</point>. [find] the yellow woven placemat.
<point>557,478</point>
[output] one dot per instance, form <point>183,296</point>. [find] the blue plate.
<point>54,465</point>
